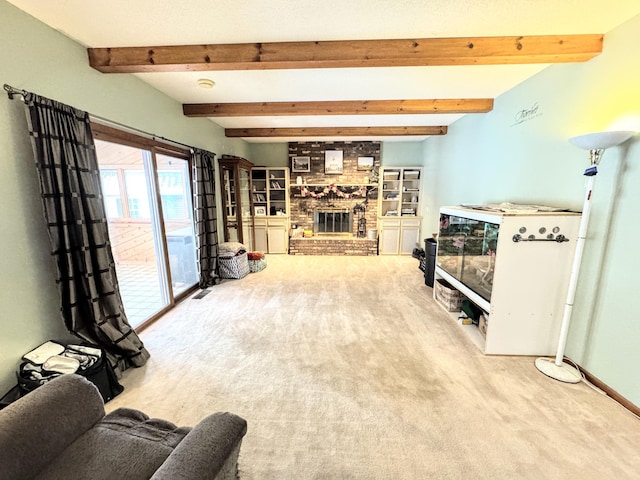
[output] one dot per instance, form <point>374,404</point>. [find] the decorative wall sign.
<point>301,164</point>
<point>333,162</point>
<point>527,114</point>
<point>365,163</point>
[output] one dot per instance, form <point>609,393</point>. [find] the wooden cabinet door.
<point>389,236</point>
<point>409,236</point>
<point>260,232</point>
<point>277,236</point>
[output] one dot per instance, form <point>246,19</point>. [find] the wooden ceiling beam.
<point>350,107</point>
<point>348,53</point>
<point>334,131</point>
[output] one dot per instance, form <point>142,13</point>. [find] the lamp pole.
<point>596,143</point>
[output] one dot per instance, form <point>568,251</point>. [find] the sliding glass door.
<point>177,214</point>
<point>148,204</point>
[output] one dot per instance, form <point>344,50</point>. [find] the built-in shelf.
<point>399,210</point>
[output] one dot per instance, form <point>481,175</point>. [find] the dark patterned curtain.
<point>204,191</point>
<point>70,186</point>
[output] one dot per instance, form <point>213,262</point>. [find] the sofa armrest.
<point>208,452</point>
<point>36,428</point>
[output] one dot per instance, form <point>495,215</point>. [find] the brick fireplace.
<point>339,208</point>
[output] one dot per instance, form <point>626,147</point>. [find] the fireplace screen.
<point>333,221</point>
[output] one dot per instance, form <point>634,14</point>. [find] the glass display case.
<point>514,266</point>
<point>467,251</point>
<point>236,202</point>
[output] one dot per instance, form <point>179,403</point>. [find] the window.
<point>172,194</point>
<point>111,193</point>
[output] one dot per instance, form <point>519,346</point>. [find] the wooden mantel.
<point>348,54</point>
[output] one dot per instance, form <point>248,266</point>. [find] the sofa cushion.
<point>126,444</point>
<point>42,424</point>
<point>209,452</point>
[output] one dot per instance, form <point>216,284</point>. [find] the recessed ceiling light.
<point>206,83</point>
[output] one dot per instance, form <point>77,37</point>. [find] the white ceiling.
<point>119,23</point>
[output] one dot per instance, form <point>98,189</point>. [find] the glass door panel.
<point>467,250</point>
<point>230,219</point>
<point>245,203</point>
<point>173,184</point>
<point>129,192</point>
<point>479,257</point>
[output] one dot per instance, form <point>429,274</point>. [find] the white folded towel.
<point>60,364</point>
<point>86,350</point>
<point>43,352</point>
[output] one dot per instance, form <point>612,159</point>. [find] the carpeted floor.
<point>345,368</point>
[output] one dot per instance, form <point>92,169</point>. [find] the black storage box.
<point>102,376</point>
<point>11,396</point>
<point>430,246</point>
<point>100,373</point>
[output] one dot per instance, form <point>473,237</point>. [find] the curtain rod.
<point>12,91</point>
<point>153,136</point>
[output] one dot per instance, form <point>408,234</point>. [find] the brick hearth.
<point>330,245</point>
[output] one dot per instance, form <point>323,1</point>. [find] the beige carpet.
<point>345,368</point>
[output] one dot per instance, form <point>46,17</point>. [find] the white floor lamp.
<point>596,143</point>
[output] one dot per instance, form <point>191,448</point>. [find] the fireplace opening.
<point>334,221</point>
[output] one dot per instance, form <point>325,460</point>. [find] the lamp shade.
<point>601,140</point>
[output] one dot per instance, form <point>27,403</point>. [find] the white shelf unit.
<point>270,195</point>
<point>527,280</point>
<point>399,220</point>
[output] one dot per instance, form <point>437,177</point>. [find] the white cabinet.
<point>515,267</point>
<point>398,235</point>
<point>260,234</point>
<point>409,233</point>
<point>389,236</point>
<point>270,195</point>
<point>271,234</point>
<point>278,235</point>
<point>399,209</point>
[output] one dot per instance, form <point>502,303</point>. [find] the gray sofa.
<point>60,431</point>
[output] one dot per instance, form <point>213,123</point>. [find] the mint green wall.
<point>401,154</point>
<point>494,158</point>
<point>269,154</point>
<point>37,58</point>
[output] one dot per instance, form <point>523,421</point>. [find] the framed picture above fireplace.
<point>333,162</point>
<point>301,164</point>
<point>365,163</point>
